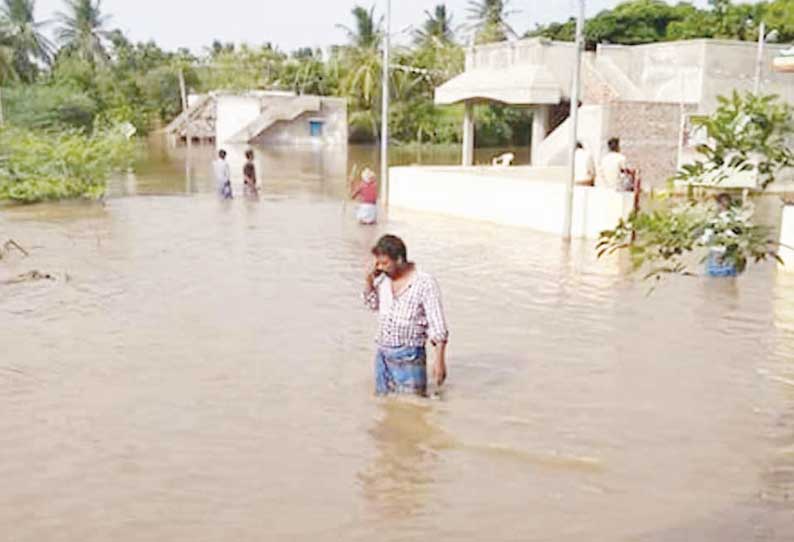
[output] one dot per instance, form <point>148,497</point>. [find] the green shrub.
<point>45,165</point>
<point>50,107</point>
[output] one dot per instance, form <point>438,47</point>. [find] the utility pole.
<point>2,118</point>
<point>569,189</point>
<point>759,61</point>
<point>182,90</point>
<point>188,135</point>
<point>384,132</point>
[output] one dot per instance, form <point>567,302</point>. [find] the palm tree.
<point>7,71</point>
<point>23,35</point>
<point>367,32</point>
<point>361,63</point>
<point>489,20</point>
<point>82,30</point>
<point>436,28</point>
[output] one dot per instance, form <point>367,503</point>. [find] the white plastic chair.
<point>503,160</point>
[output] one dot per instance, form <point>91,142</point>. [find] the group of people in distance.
<point>223,176</point>
<point>613,172</point>
<point>364,189</point>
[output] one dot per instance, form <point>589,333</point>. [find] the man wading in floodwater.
<point>249,176</point>
<point>223,177</point>
<point>410,313</point>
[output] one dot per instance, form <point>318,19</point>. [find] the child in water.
<point>367,194</point>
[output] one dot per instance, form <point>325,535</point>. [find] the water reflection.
<point>400,479</point>
<point>312,170</point>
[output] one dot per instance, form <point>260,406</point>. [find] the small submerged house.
<point>263,118</point>
<point>295,137</point>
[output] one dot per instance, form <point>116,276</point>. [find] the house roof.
<point>521,84</point>
<point>200,117</point>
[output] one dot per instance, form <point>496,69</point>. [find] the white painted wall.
<point>787,238</point>
<point>519,196</point>
<point>233,114</point>
<point>192,99</point>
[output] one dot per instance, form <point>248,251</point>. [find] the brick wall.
<point>648,134</point>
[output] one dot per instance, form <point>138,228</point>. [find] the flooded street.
<point>202,371</point>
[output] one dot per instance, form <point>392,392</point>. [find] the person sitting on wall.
<point>584,168</point>
<point>366,192</point>
<point>614,171</point>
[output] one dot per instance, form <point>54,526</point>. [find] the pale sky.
<point>289,24</point>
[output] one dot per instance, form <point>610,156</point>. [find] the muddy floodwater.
<point>201,371</point>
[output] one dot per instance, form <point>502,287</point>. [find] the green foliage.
<point>38,165</point>
<point>7,72</point>
<point>645,21</point>
<point>746,133</point>
<point>488,20</point>
<point>241,68</point>
<point>366,33</point>
<point>82,31</point>
<point>24,36</point>
<point>779,15</point>
<point>497,124</point>
<point>50,107</point>
<point>437,28</point>
<point>664,240</point>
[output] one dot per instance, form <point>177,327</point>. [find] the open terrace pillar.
<point>468,135</point>
<point>540,127</point>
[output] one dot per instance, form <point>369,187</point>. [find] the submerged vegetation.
<point>38,165</point>
<point>747,134</point>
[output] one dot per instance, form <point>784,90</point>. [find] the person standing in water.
<point>408,302</point>
<point>223,176</point>
<point>367,194</point>
<point>249,175</point>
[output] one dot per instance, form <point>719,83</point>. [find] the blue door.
<point>316,128</point>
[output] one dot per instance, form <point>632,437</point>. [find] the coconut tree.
<point>7,71</point>
<point>437,27</point>
<point>24,36</point>
<point>360,62</point>
<point>83,30</point>
<point>488,20</point>
<point>366,32</point>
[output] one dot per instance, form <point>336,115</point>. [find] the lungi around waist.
<point>401,370</point>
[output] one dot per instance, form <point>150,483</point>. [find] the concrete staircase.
<point>287,110</point>
<point>602,82</point>
<point>555,149</point>
<point>192,114</point>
